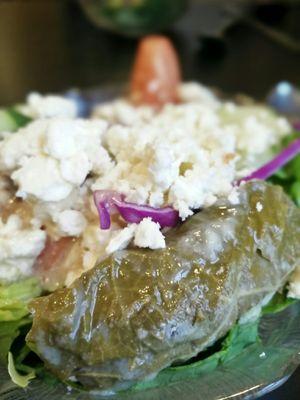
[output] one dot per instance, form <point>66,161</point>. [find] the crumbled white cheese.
<point>163,167</point>
<point>256,129</point>
<point>66,137</point>
<point>185,155</point>
<point>191,92</point>
<point>148,234</point>
<point>26,142</point>
<point>122,112</point>
<point>71,222</point>
<point>121,239</point>
<point>39,106</point>
<point>40,176</point>
<point>188,155</point>
<point>156,199</point>
<point>18,249</point>
<point>182,155</point>
<point>51,157</point>
<point>75,169</point>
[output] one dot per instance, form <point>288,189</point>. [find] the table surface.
<point>49,46</point>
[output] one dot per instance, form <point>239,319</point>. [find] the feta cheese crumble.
<point>38,106</point>
<point>148,234</point>
<point>50,187</point>
<point>49,158</point>
<point>145,234</point>
<point>122,112</point>
<point>185,155</point>
<point>19,248</point>
<point>121,239</point>
<point>71,222</point>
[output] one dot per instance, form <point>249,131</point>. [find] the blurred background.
<point>239,46</point>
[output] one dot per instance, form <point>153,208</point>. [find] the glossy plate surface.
<point>260,368</point>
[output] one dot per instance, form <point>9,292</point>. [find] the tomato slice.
<point>56,260</point>
<point>156,72</point>
<point>53,253</point>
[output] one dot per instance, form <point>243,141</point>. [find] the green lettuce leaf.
<point>238,339</point>
<point>14,314</point>
<point>15,297</point>
<point>9,331</point>
<point>289,176</point>
<point>278,303</point>
<point>11,119</point>
<point>16,377</point>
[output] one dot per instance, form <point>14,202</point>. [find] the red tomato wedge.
<point>56,260</point>
<point>156,72</point>
<point>53,253</point>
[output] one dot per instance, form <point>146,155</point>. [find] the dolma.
<point>140,310</point>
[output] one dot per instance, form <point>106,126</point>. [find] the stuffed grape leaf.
<point>140,310</point>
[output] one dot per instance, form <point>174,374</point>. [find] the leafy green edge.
<point>12,119</point>
<point>289,176</point>
<point>238,339</point>
<point>15,322</point>
<point>16,377</point>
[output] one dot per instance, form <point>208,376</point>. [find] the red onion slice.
<point>108,201</point>
<point>135,213</point>
<point>272,166</point>
<point>104,201</point>
<point>104,216</point>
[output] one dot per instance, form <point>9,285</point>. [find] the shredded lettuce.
<point>14,315</point>
<point>10,330</point>
<point>14,298</point>
<point>278,303</point>
<point>16,377</point>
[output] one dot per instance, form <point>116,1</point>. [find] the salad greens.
<point>16,377</point>
<point>237,340</point>
<point>15,321</point>
<point>240,337</point>
<point>289,176</point>
<point>141,308</point>
<point>12,119</point>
